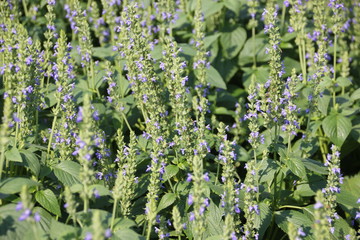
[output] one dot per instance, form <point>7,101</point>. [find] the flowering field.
<point>187,119</point>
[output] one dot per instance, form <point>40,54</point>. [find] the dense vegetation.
<point>188,119</point>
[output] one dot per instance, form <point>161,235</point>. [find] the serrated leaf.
<point>68,172</point>
<point>296,166</point>
<point>263,220</point>
<point>13,155</point>
<point>337,127</point>
<point>14,185</point>
<point>349,194</point>
<point>233,41</point>
<point>211,7</point>
<point>355,95</point>
<point>45,218</point>
<point>11,228</point>
<point>208,40</point>
<point>314,166</point>
<point>343,81</point>
<point>233,5</point>
<point>260,75</point>
<point>213,77</point>
<point>31,161</point>
<point>246,55</point>
<point>324,102</point>
<point>126,234</point>
<point>282,219</point>
<point>101,190</point>
<point>48,200</point>
<point>170,171</point>
<point>60,230</point>
<point>103,52</point>
<point>214,220</point>
<point>227,68</point>
<point>166,200</point>
<point>289,64</point>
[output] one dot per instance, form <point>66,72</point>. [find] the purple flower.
<point>357,215</point>
<point>19,206</point>
<point>37,217</point>
<point>51,2</point>
<point>192,217</point>
<point>318,205</point>
<point>190,200</point>
<point>25,215</point>
<point>88,236</point>
<point>189,177</point>
<point>206,177</point>
<point>108,233</point>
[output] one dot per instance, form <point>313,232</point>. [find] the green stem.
<point>2,159</point>
<point>126,121</point>
<point>86,199</point>
<point>25,7</point>
<point>217,173</point>
<point>52,129</point>
<point>304,56</point>
<point>334,78</point>
<point>254,47</point>
<point>113,214</point>
<point>148,231</point>
<point>17,126</point>
<point>282,18</point>
<point>289,145</point>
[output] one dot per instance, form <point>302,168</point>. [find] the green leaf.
<point>289,64</point>
<point>282,219</point>
<point>14,185</point>
<point>355,95</point>
<point>324,102</point>
<point>314,166</point>
<point>208,40</point>
<point>45,218</point>
<point>227,68</point>
<point>11,228</point>
<point>267,170</point>
<point>296,166</point>
<point>349,194</point>
<point>156,53</point>
<point>99,78</point>
<point>49,201</point>
<point>343,81</point>
<point>216,237</point>
<point>233,5</point>
<point>342,229</point>
<point>170,171</point>
<point>60,230</point>
<point>214,220</point>
<point>233,41</point>
<point>122,223</point>
<point>101,190</point>
<point>68,172</point>
<point>260,74</point>
<point>337,127</point>
<point>246,55</point>
<point>31,161</point>
<point>126,234</point>
<point>104,52</point>
<point>166,200</point>
<point>214,78</point>
<point>13,155</point>
<point>211,7</point>
<point>263,220</point>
